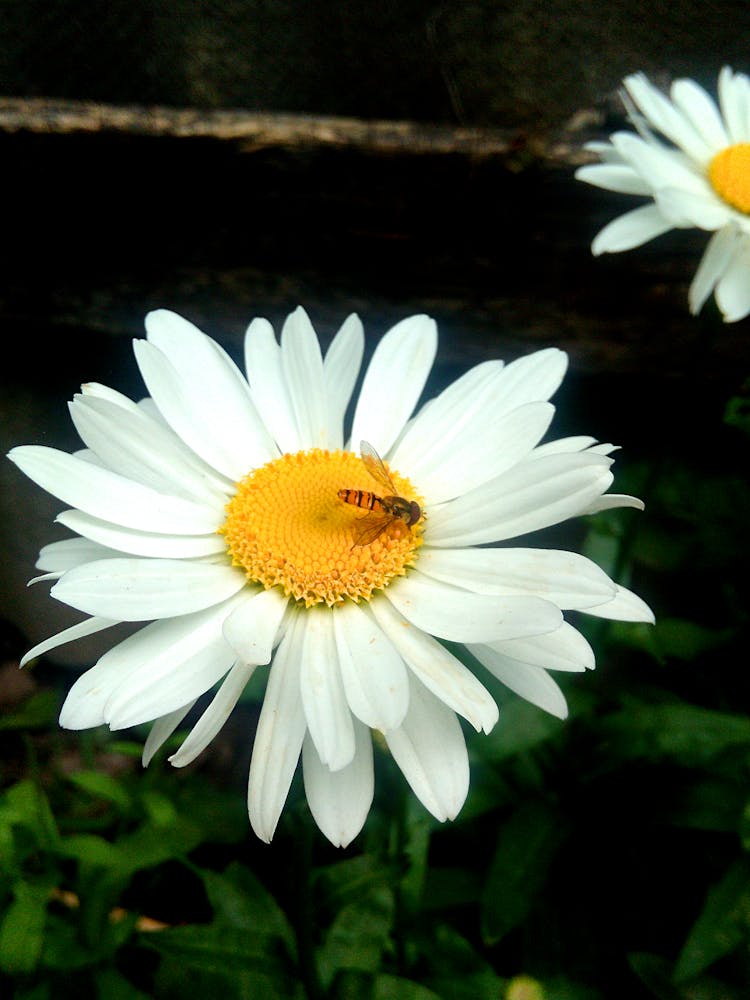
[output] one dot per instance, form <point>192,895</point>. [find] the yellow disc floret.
<point>286,527</point>
<point>729,173</point>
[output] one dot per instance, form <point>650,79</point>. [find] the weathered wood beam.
<point>263,130</point>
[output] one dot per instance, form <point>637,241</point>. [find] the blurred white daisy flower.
<point>699,177</point>
<point>223,510</point>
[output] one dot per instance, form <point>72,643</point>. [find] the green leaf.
<point>395,988</point>
<point>359,935</point>
<point>26,805</point>
<point>417,831</point>
<point>562,988</point>
<point>126,748</point>
<point>22,928</point>
<point>215,813</point>
<point>227,951</point>
<point>687,733</point>
<point>737,411</point>
<point>469,986</point>
<point>684,640</point>
<point>240,900</point>
<point>522,727</point>
<point>526,846</point>
<point>42,991</point>
<point>151,844</point>
<point>603,541</point>
<point>90,849</point>
<point>346,881</point>
<point>722,925</point>
<point>710,804</point>
<point>63,950</point>
<point>449,887</point>
<point>160,809</point>
<point>655,972</point>
<point>455,968</point>
<point>111,985</point>
<point>36,712</point>
<point>102,786</point>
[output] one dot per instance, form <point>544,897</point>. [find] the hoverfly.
<point>382,510</point>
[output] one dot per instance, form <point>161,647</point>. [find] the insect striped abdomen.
<point>361,498</point>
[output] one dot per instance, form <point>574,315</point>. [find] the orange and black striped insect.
<point>382,510</point>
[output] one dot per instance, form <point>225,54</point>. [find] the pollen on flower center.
<point>286,526</point>
<point>729,173</point>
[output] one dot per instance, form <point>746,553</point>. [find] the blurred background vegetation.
<point>603,857</point>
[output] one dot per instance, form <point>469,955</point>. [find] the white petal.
<point>61,556</point>
<point>212,394</point>
<point>702,113</point>
<point>141,543</point>
<point>161,730</point>
<point>340,371</point>
<point>532,378</point>
<point>394,381</point>
<point>715,260</point>
<point>268,385</point>
<point>614,177</point>
<point>734,96</point>
<point>662,114</point>
<point>609,501</point>
<point>340,800</point>
<point>439,671</point>
<point>373,672</point>
<point>106,495</point>
<point>630,230</point>
<point>193,416</point>
<point>603,448</point>
<point>302,365</point>
<point>445,418</point>
<point>532,683</point>
<point>456,615</point>
<point>625,606</point>
<point>564,649</point>
<point>252,629</point>
<point>535,494</point>
<point>95,390</point>
<point>133,445</point>
<point>603,149</point>
<point>328,716</point>
<point>733,288</point>
<point>141,664</point>
<point>660,167</point>
<point>578,442</point>
<point>141,589</point>
<point>215,715</point>
<point>567,579</point>
<point>79,631</point>
<point>430,750</point>
<point>44,578</point>
<point>487,448</point>
<point>704,210</point>
<point>141,700</point>
<point>278,740</point>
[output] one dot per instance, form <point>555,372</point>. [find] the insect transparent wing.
<point>375,467</point>
<point>370,527</point>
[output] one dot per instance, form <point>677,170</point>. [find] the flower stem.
<point>305,912</point>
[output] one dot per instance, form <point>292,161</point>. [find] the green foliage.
<point>526,846</point>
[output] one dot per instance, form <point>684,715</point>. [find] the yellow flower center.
<point>729,173</point>
<point>287,527</point>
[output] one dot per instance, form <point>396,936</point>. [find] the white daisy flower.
<point>699,177</point>
<point>234,515</point>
